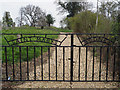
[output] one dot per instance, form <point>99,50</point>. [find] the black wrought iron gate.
<point>85,58</point>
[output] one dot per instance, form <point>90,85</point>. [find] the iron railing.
<point>91,63</point>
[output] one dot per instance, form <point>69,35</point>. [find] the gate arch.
<point>92,39</point>
<point>21,39</point>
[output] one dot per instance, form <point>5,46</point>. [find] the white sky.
<point>48,6</point>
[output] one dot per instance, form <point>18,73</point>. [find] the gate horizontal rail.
<point>57,46</point>
<point>67,80</point>
<point>60,34</point>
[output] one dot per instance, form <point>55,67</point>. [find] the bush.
<point>116,30</point>
<point>85,22</point>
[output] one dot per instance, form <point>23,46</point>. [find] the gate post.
<point>71,72</point>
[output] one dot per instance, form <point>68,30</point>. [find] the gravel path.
<point>46,84</point>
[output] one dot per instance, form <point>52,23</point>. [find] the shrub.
<point>85,22</point>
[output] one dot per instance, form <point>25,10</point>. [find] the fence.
<point>72,58</point>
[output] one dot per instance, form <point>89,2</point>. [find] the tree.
<point>33,14</point>
<point>21,18</point>
<point>65,23</point>
<point>7,20</point>
<point>50,19</point>
<point>102,9</point>
<point>108,9</point>
<point>72,7</point>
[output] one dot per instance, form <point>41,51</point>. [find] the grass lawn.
<point>26,30</point>
<point>62,30</point>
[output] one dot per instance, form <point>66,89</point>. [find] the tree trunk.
<point>49,24</point>
<point>32,25</point>
<point>42,27</point>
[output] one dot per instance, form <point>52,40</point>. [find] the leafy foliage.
<point>50,19</point>
<point>7,20</point>
<point>116,28</point>
<point>108,9</point>
<point>72,8</point>
<point>85,22</point>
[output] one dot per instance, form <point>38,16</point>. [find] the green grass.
<point>61,30</point>
<point>65,30</point>
<point>26,30</point>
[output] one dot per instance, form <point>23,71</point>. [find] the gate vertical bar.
<point>34,65</point>
<point>20,64</point>
<point>49,60</point>
<point>71,57</point>
<point>114,63</point>
<point>42,62</point>
<point>56,62</point>
<point>79,64</point>
<point>86,66</point>
<point>93,64</point>
<point>100,64</point>
<point>107,63</point>
<point>63,63</point>
<point>119,64</point>
<point>6,63</point>
<point>13,63</point>
<point>27,65</point>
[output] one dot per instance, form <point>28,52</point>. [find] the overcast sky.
<point>47,6</point>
